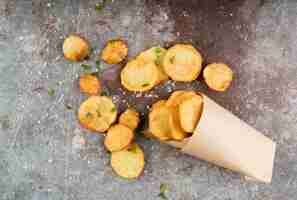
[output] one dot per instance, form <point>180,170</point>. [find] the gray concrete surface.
<point>46,155</point>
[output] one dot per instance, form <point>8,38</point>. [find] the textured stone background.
<point>46,155</point>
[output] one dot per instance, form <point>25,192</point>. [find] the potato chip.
<point>158,104</point>
<point>179,96</point>
<point>173,102</point>
<point>75,48</point>
<point>89,84</point>
<point>218,76</point>
<point>159,122</point>
<point>128,163</point>
<point>114,52</point>
<point>139,76</point>
<point>118,137</point>
<point>190,111</point>
<point>182,63</point>
<point>155,55</point>
<point>130,118</point>
<point>97,113</point>
<point>177,132</point>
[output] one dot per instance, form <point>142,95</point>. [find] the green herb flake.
<point>51,92</point>
<point>163,189</point>
<point>99,6</point>
<point>86,67</point>
<point>104,93</point>
<point>98,66</point>
<point>113,110</point>
<point>158,50</point>
<point>92,50</point>
<point>145,84</point>
<point>172,59</point>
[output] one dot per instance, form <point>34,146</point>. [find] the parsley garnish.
<point>98,66</point>
<point>163,189</point>
<point>104,93</point>
<point>158,56</point>
<point>113,109</point>
<point>145,84</point>
<point>86,67</point>
<point>99,6</point>
<point>51,92</point>
<point>158,50</point>
<point>92,50</point>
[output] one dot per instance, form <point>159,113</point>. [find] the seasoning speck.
<point>163,189</point>
<point>51,92</point>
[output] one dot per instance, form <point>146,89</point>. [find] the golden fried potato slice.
<point>190,111</point>
<point>128,163</point>
<point>218,76</point>
<point>118,137</point>
<point>179,96</point>
<point>172,98</point>
<point>177,132</point>
<point>155,55</point>
<point>75,48</point>
<point>97,113</point>
<point>158,104</point>
<point>114,52</point>
<point>89,84</point>
<point>139,76</point>
<point>130,118</point>
<point>173,102</point>
<point>159,122</point>
<point>182,63</point>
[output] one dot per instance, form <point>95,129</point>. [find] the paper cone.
<point>223,139</point>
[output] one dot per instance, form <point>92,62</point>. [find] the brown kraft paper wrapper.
<point>223,139</point>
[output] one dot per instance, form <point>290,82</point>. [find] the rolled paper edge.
<point>223,139</point>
